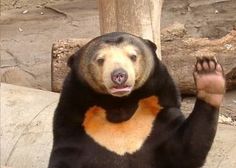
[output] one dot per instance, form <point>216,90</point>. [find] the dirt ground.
<point>29,28</point>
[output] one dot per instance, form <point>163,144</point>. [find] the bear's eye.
<point>100,61</point>
<point>133,57</point>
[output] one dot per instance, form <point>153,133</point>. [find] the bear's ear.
<point>70,61</point>
<point>151,44</point>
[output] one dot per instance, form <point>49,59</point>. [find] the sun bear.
<point>119,108</point>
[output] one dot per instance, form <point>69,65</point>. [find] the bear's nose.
<point>119,76</point>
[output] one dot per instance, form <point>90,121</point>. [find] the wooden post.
<point>138,17</point>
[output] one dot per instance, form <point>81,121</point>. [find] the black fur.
<point>175,142</point>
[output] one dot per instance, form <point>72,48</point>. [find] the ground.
<point>26,130</point>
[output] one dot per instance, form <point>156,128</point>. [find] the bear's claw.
<point>207,64</point>
<point>209,79</point>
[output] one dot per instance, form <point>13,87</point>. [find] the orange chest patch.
<point>124,137</point>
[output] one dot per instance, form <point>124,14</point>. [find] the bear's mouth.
<point>120,89</point>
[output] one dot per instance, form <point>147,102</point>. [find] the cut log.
<point>61,51</point>
<point>179,54</point>
<point>140,17</point>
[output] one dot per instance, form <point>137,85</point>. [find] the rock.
<point>18,77</point>
<point>20,29</point>
<point>225,120</point>
<point>25,11</point>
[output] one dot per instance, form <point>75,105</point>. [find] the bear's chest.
<point>125,137</point>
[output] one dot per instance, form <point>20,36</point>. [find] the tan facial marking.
<point>117,57</point>
<point>125,137</point>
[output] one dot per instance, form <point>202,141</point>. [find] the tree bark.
<point>138,17</point>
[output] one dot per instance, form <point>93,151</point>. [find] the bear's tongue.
<point>120,89</point>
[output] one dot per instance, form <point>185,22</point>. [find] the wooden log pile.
<point>178,53</point>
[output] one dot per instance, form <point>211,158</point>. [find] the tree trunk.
<point>138,17</point>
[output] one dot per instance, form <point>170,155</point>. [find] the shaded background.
<point>29,27</point>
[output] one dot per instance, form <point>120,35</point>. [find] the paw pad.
<point>209,79</point>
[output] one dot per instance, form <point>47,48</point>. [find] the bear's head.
<point>115,63</point>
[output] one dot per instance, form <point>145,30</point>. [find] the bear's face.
<point>117,68</point>
<point>116,64</point>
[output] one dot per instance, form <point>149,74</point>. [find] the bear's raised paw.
<point>209,79</point>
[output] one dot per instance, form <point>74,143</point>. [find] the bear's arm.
<point>192,138</point>
<point>189,145</point>
<point>66,157</point>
